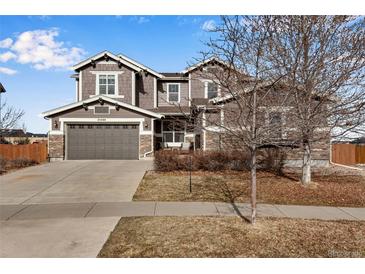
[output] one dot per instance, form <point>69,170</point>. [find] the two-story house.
<point>126,110</point>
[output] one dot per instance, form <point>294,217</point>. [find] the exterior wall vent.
<point>101,110</point>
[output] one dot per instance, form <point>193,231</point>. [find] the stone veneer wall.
<point>145,142</point>
<point>212,140</point>
<point>56,147</point>
<point>320,155</point>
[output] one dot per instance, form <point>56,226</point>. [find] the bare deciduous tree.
<point>10,116</point>
<point>322,61</point>
<point>241,114</point>
<point>310,68</point>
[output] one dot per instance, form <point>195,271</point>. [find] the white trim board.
<point>110,55</point>
<point>80,86</point>
<point>189,90</point>
<point>104,98</point>
<point>133,88</point>
<point>155,93</point>
<point>123,57</point>
<point>99,120</point>
<point>203,63</point>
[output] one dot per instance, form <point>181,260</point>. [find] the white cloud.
<point>208,25</point>
<point>44,17</point>
<point>4,57</point>
<point>40,49</point>
<point>7,71</point>
<point>183,20</point>
<point>6,43</point>
<point>140,19</point>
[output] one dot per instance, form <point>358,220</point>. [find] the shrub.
<point>24,141</point>
<point>165,160</point>
<point>210,160</point>
<point>4,141</point>
<point>271,159</point>
<point>19,163</point>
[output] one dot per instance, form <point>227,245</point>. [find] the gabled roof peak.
<point>120,58</point>
<point>106,55</point>
<point>205,62</point>
<point>100,98</point>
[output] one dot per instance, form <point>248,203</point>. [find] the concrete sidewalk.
<point>128,209</point>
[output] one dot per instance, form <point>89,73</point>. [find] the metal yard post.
<point>190,167</point>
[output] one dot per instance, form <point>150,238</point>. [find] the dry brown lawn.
<point>328,189</point>
<point>233,237</point>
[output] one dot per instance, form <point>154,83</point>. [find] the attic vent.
<point>101,110</point>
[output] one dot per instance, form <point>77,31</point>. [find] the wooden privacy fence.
<point>348,154</point>
<point>36,152</point>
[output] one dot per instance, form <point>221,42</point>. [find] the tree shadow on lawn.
<point>230,195</point>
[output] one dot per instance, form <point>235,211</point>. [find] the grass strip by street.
<point>233,237</point>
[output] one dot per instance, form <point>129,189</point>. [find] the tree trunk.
<point>306,168</point>
<point>253,186</point>
<point>253,159</point>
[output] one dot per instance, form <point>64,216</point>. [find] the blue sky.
<point>37,51</point>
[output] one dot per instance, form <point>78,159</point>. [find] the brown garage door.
<point>102,141</point>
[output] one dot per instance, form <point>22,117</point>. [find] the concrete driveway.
<point>73,182</point>
<point>42,208</point>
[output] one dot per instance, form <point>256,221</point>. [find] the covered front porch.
<point>176,133</point>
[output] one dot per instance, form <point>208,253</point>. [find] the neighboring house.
<point>126,110</point>
<point>15,136</point>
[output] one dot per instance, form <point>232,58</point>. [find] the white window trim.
<point>206,89</point>
<point>168,92</point>
<point>116,91</point>
<point>172,131</point>
<point>115,73</point>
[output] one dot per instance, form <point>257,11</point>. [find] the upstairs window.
<point>212,90</point>
<point>276,123</point>
<point>107,84</point>
<point>173,92</point>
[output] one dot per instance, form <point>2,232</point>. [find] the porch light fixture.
<point>101,101</point>
<point>117,108</point>
<point>85,106</point>
<point>145,124</point>
<point>55,124</point>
